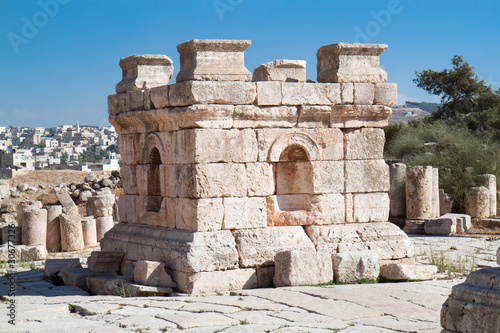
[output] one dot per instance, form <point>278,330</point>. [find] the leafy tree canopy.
<point>467,100</point>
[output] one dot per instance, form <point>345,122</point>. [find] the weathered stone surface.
<point>386,94</point>
<point>181,250</point>
<point>366,176</point>
<point>144,71</point>
<point>323,144</point>
<point>397,190</point>
<point>33,223</point>
<point>268,93</point>
<point>264,116</point>
<point>364,143</point>
<point>4,191</point>
<point>347,92</point>
<point>364,93</point>
<point>213,282</point>
<point>445,203</point>
<point>281,70</point>
<point>203,116</point>
<point>415,227</point>
<point>395,271</point>
<point>435,192</point>
<point>11,234</point>
<point>474,306</point>
<point>260,179</point>
<point>54,266</point>
<point>137,99</point>
<point>296,267</point>
<point>199,214</point>
<point>103,225</point>
<point>213,60</point>
<point>342,62</point>
<point>490,182</point>
<point>244,213</point>
<point>385,238</point>
<point>477,202</point>
<point>419,192</point>
<point>300,93</point>
<point>208,92</point>
<point>75,276</point>
<point>215,145</point>
<point>258,247</point>
<point>118,103</point>
<point>211,180</point>
<point>102,204</point>
<point>53,228</point>
<point>448,224</point>
<point>313,116</point>
<point>64,198</point>
<point>152,273</point>
<point>89,231</point>
<point>128,145</point>
<point>159,97</point>
<point>105,261</point>
<point>357,116</point>
<point>498,256</point>
<point>300,209</point>
<point>367,207</point>
<point>352,266</point>
<point>31,252</point>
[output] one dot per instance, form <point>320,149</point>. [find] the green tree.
<point>467,100</point>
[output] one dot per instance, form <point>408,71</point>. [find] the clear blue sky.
<point>63,70</point>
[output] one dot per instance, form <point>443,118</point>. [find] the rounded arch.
<point>152,141</point>
<point>295,143</point>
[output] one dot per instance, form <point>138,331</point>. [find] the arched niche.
<point>153,185</point>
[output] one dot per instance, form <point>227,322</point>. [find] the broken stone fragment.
<point>152,273</point>
<point>354,266</point>
<point>296,267</point>
<point>105,261</point>
<point>281,70</point>
<point>144,71</point>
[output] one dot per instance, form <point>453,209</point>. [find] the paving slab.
<point>205,307</point>
<point>190,320</point>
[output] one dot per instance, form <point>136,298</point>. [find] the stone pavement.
<point>384,307</point>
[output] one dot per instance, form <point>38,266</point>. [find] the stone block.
<point>152,273</point>
<point>53,228</point>
<point>101,204</point>
<point>118,103</point>
<point>182,250</point>
<point>260,179</point>
<point>441,226</point>
<point>370,207</point>
<point>445,203</point>
<point>128,207</point>
<point>349,267</point>
<point>204,116</point>
<point>105,261</point>
<point>347,92</point>
<point>106,285</point>
<point>366,176</point>
<point>264,116</point>
<point>31,252</point>
<point>386,94</point>
<point>313,116</point>
<point>144,71</point>
<point>71,232</point>
<point>75,276</point>
<point>215,145</point>
<point>395,271</point>
<point>54,266</point>
<point>357,116</point>
<point>281,70</point>
<point>477,202</point>
<point>321,144</point>
<point>12,235</point>
<point>385,238</point>
<point>327,176</point>
<point>343,62</point>
<point>397,190</point>
<point>295,268</point>
<point>435,192</point>
<point>265,277</point>
<point>414,227</point>
<point>268,93</point>
<point>213,60</point>
<point>364,143</point>
<point>302,93</point>
<point>137,100</point>
<point>258,247</point>
<point>199,214</point>
<point>244,213</point>
<point>419,192</point>
<point>137,290</point>
<point>128,145</point>
<point>129,179</point>
<point>211,180</point>
<point>364,93</point>
<point>159,97</point>
<point>214,282</point>
<point>474,305</point>
<point>209,92</point>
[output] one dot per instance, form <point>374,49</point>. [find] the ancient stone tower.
<point>222,172</point>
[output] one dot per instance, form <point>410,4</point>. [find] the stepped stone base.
<point>214,261</point>
<point>474,306</point>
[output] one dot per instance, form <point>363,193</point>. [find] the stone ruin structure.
<point>222,173</point>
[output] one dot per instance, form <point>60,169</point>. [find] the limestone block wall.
<point>222,173</point>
